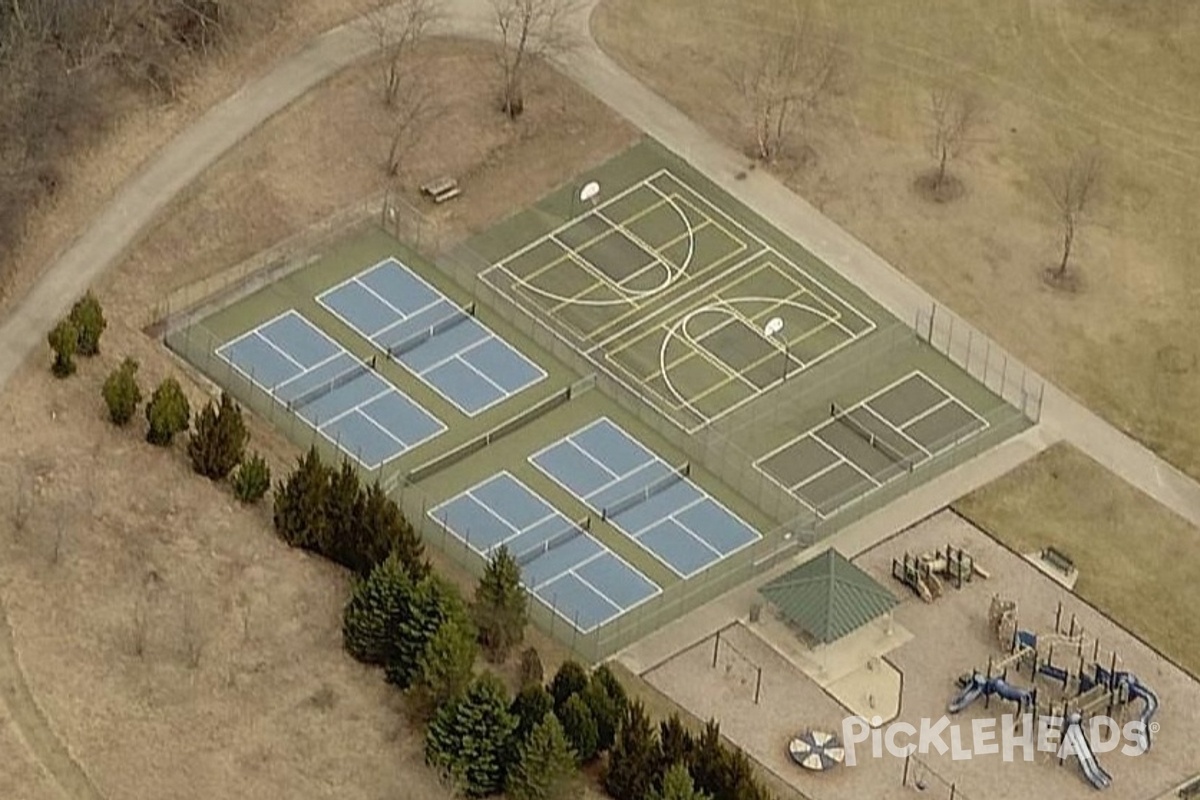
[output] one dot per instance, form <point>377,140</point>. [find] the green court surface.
<point>662,305</point>
<point>673,284</point>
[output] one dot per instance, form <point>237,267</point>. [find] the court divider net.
<point>455,317</point>
<point>657,486</point>
<point>573,531</point>
<point>314,394</point>
<point>838,414</point>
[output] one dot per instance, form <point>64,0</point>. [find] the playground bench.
<point>442,189</point>
<point>1059,560</point>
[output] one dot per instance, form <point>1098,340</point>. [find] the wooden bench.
<point>441,190</point>
<point>1059,560</point>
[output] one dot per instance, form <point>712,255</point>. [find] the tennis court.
<point>442,344</point>
<point>341,397</point>
<point>562,565</point>
<point>676,293</point>
<point>645,498</point>
<point>860,448</point>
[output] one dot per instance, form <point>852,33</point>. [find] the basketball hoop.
<point>589,192</point>
<point>774,326</point>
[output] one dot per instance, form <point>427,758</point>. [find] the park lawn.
<point>1131,551</point>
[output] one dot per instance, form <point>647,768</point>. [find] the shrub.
<point>218,439</point>
<point>300,503</point>
<point>168,413</point>
<point>121,392</point>
<point>64,341</point>
<point>251,479</point>
<point>89,322</point>
<point>531,671</point>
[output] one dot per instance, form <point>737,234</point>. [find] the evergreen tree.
<point>384,530</point>
<point>251,479</point>
<point>469,737</point>
<point>64,341</point>
<point>677,785</point>
<point>530,707</point>
<point>501,606</point>
<point>218,440</point>
<point>580,727</point>
<point>121,392</point>
<point>531,671</point>
<point>300,503</point>
<point>708,761</point>
<point>168,413</point>
<point>737,774</point>
<point>433,602</point>
<point>545,765</point>
<point>446,667</point>
<point>635,759</point>
<point>571,679</point>
<point>676,741</point>
<point>343,511</point>
<point>606,699</point>
<point>88,318</point>
<point>377,605</point>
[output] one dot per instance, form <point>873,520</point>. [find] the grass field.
<point>1127,547</point>
<point>1052,76</point>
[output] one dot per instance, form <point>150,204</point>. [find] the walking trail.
<point>145,194</point>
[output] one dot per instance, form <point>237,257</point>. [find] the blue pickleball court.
<point>644,497</point>
<point>562,565</point>
<point>338,395</point>
<point>455,354</point>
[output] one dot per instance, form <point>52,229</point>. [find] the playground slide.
<point>1140,691</point>
<point>1092,770</point>
<point>1009,692</point>
<point>970,693</point>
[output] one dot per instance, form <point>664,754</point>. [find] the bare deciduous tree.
<point>399,26</point>
<point>528,30</point>
<point>1073,189</point>
<point>953,113</point>
<point>414,107</point>
<point>783,78</point>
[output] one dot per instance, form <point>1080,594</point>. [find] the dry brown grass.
<point>1132,553</point>
<point>173,643</point>
<point>1054,76</point>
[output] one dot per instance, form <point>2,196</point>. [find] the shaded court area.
<point>862,447</point>
<point>423,330</point>
<point>340,396</point>
<point>654,504</point>
<point>562,565</point>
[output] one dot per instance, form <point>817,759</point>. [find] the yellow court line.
<point>571,300</point>
<point>626,344</point>
<point>715,362</point>
<point>542,270</point>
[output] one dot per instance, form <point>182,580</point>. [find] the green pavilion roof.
<point>828,597</point>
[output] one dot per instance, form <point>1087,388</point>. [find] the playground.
<point>942,651</point>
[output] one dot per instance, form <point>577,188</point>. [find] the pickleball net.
<point>657,486</point>
<point>310,396</point>
<point>843,417</point>
<point>454,318</point>
<point>573,531</point>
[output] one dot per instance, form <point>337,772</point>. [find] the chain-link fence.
<point>726,448</point>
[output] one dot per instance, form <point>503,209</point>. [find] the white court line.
<point>920,415</point>
<point>819,473</point>
<point>339,351</point>
<point>354,277</point>
<point>258,334</point>
<point>691,531</point>
<point>589,456</point>
<point>894,428</point>
<point>380,298</point>
<point>810,433</point>
<point>589,585</point>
